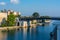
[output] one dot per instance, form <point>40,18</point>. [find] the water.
<point>38,33</point>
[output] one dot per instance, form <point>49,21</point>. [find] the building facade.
<point>4,14</point>
<point>15,13</point>
<point>3,17</point>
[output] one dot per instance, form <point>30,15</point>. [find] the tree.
<point>11,19</point>
<point>35,14</point>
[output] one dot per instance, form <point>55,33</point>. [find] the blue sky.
<point>28,7</point>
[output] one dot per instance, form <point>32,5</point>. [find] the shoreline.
<point>9,28</point>
<point>12,28</point>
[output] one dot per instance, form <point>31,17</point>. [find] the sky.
<point>28,7</point>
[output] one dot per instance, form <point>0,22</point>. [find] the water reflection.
<point>11,35</point>
<point>24,33</point>
<point>3,36</point>
<point>35,33</point>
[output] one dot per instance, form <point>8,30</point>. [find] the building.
<point>4,14</point>
<point>15,13</point>
<point>3,17</point>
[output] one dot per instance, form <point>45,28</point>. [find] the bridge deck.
<point>39,18</point>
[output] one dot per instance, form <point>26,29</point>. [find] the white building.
<point>15,13</point>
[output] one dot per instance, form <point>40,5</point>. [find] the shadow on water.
<point>11,35</point>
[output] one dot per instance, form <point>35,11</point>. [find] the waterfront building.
<point>3,17</point>
<point>20,22</point>
<point>15,13</point>
<point>4,14</point>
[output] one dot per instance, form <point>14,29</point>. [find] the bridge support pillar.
<point>25,24</point>
<point>43,22</point>
<point>20,23</point>
<point>28,23</point>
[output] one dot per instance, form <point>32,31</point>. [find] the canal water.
<point>36,33</point>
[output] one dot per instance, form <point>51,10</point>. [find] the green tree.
<point>35,14</point>
<point>11,19</point>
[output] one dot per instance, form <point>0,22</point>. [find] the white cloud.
<point>2,3</point>
<point>14,1</point>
